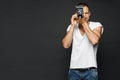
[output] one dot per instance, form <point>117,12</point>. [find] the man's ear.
<point>89,13</point>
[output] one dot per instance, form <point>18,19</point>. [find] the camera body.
<point>79,10</point>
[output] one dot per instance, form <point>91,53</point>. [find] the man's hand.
<point>83,22</point>
<point>73,20</point>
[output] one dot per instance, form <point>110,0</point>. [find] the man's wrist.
<point>72,25</point>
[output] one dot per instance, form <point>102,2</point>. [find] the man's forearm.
<point>93,37</point>
<point>67,40</point>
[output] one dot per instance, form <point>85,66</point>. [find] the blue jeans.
<point>87,75</point>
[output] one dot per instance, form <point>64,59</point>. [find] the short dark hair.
<point>83,4</point>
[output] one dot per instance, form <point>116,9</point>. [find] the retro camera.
<point>79,10</point>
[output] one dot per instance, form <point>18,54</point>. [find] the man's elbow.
<point>95,42</point>
<point>65,45</point>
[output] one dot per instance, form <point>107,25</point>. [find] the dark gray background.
<point>31,32</point>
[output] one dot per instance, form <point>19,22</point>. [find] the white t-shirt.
<point>83,52</point>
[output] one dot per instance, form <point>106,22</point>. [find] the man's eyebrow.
<point>86,12</point>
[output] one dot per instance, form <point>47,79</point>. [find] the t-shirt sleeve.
<point>98,24</point>
<point>68,28</point>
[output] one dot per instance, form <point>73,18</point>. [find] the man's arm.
<point>67,40</point>
<point>93,35</point>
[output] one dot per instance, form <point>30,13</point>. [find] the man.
<point>84,35</point>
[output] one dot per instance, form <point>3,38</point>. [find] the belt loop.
<point>88,69</point>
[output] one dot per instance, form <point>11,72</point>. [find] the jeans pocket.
<point>94,73</point>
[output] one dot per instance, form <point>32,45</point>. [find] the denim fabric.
<point>86,75</point>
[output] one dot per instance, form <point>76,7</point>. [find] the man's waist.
<point>84,69</point>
